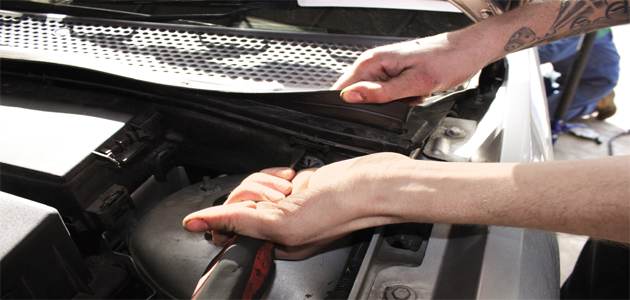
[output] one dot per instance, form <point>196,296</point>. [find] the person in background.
<point>303,212</point>
<point>601,73</point>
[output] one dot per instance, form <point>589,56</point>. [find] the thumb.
<point>384,91</point>
<point>243,218</point>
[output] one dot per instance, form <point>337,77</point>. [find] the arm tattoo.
<point>578,17</point>
<point>575,17</point>
<point>520,39</point>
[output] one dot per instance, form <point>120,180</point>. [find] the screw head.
<point>455,132</point>
<point>401,293</point>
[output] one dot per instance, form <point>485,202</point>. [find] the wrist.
<point>399,193</point>
<point>478,44</point>
<point>438,192</point>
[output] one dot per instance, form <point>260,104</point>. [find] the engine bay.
<point>124,127</point>
<point>123,202</point>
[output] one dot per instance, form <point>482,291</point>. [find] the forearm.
<point>539,23</point>
<point>587,197</point>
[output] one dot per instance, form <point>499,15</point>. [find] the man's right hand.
<point>413,69</point>
<point>418,68</point>
<point>321,206</point>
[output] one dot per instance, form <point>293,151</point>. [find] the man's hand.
<point>413,70</point>
<point>321,206</point>
<point>303,212</point>
<point>388,188</point>
<point>418,68</point>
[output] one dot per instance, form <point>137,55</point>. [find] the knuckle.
<point>244,193</point>
<point>270,170</point>
<point>229,224</point>
<point>368,57</point>
<point>257,177</point>
<point>234,195</point>
<point>250,178</point>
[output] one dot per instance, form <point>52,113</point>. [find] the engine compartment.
<point>115,199</point>
<point>123,195</point>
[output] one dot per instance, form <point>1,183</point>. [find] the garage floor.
<point>569,147</point>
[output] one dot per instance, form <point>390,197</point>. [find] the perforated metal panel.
<point>193,56</point>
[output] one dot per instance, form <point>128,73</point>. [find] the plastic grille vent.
<point>291,61</point>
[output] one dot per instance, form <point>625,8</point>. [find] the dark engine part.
<point>207,140</point>
<point>242,270</point>
<point>103,193</point>
<point>173,260</point>
<point>40,260</point>
<point>82,159</point>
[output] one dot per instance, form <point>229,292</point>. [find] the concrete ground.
<point>569,147</point>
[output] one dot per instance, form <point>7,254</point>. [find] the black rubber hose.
<point>353,264</point>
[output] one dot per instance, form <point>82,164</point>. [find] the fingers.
<point>254,191</point>
<point>277,183</point>
<point>236,218</point>
<point>222,238</point>
<point>349,77</point>
<point>307,220</point>
<point>250,219</point>
<point>410,83</point>
<point>195,225</point>
<point>301,180</point>
<point>280,172</point>
<point>371,65</point>
<point>259,191</point>
<point>259,220</point>
<point>263,186</point>
<point>403,70</point>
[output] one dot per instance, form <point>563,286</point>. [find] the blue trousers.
<point>598,80</point>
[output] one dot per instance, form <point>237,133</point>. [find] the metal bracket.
<point>126,148</point>
<point>108,155</point>
<point>450,135</point>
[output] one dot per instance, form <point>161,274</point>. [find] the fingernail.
<point>351,96</point>
<point>283,173</point>
<point>275,197</point>
<point>282,186</point>
<point>196,225</point>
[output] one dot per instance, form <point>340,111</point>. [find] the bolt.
<point>455,132</point>
<point>209,185</point>
<point>401,293</point>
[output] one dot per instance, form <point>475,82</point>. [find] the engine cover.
<point>173,260</point>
